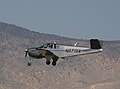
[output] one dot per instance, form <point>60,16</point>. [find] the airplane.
<point>55,51</point>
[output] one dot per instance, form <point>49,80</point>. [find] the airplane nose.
<point>31,52</point>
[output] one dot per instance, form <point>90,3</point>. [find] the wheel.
<point>53,63</point>
<point>29,64</point>
<point>48,62</point>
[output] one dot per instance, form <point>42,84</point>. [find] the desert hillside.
<point>92,71</point>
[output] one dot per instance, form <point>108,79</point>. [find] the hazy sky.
<point>71,18</point>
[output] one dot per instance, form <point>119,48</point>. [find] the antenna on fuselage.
<point>76,44</point>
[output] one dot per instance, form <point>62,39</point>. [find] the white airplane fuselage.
<point>67,51</point>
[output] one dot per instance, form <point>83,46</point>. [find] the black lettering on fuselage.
<point>73,50</point>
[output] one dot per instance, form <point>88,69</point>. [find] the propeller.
<point>26,52</point>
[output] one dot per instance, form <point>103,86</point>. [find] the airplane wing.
<point>48,54</point>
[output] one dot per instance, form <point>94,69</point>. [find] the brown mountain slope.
<point>93,71</point>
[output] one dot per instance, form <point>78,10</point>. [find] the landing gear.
<point>55,58</point>
<point>54,63</point>
<point>48,62</point>
<point>29,63</point>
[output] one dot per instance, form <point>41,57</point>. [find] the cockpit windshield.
<point>44,46</point>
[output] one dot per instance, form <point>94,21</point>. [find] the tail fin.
<point>95,44</point>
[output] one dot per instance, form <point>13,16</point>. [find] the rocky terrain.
<point>92,71</point>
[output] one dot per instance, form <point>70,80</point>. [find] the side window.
<point>51,46</point>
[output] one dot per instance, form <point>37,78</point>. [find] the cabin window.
<point>51,46</point>
<point>45,46</point>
